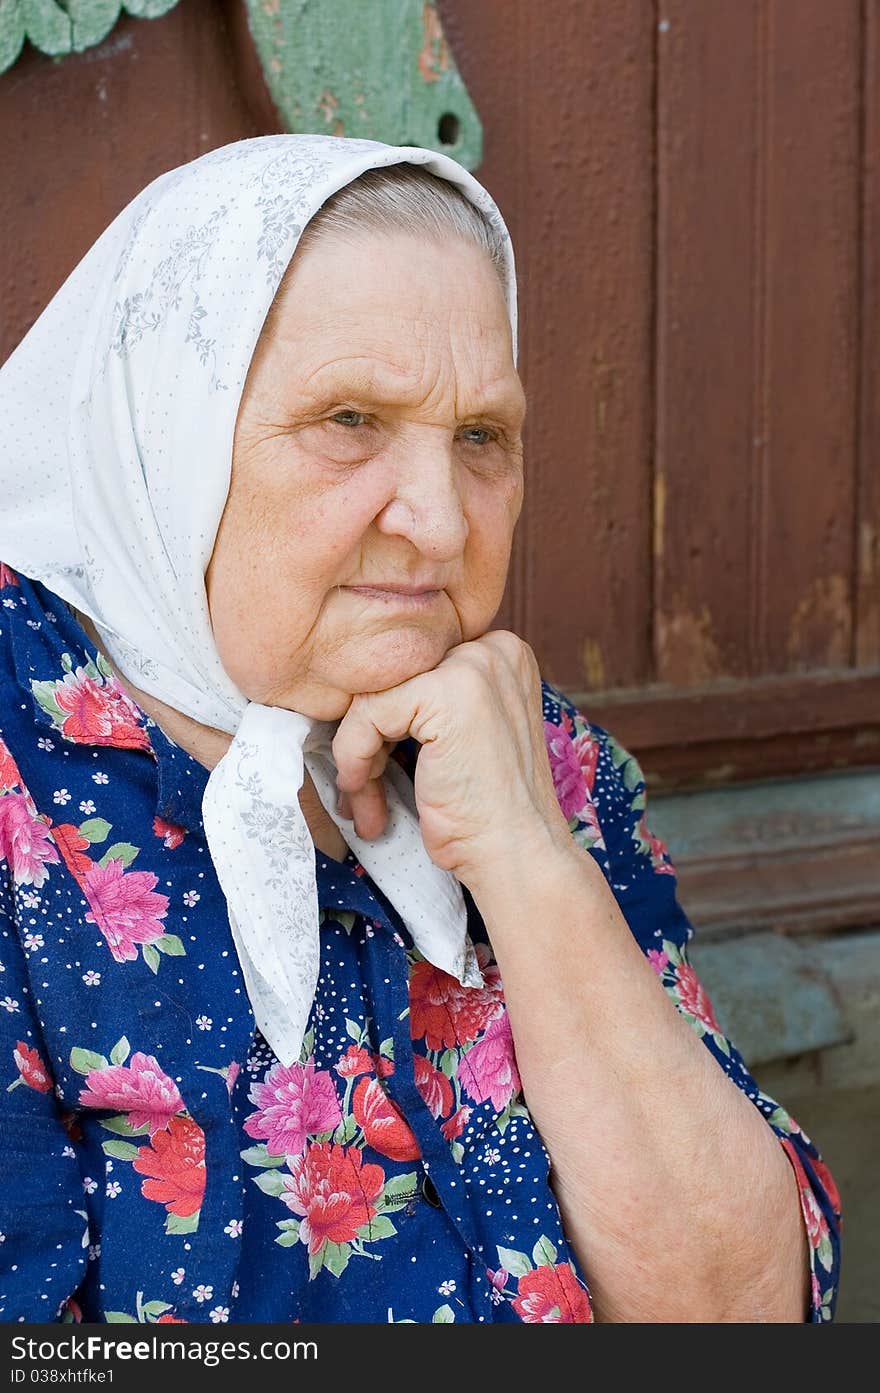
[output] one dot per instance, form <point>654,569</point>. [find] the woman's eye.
<point>349,418</point>
<point>477,435</point>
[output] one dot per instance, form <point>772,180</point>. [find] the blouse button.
<point>429,1192</point>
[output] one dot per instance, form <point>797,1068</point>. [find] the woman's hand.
<point>483,780</point>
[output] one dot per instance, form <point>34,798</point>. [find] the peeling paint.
<point>328,105</point>
<point>869,553</point>
<point>434,57</point>
<point>659,513</point>
<point>593,665</point>
<point>384,71</point>
<point>57,28</point>
<point>868,610</point>
<point>687,653</point>
<point>821,627</point>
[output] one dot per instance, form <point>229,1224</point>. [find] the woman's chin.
<point>370,664</point>
<point>392,658</point>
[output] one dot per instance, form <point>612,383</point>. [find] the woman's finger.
<point>370,728</point>
<point>369,809</point>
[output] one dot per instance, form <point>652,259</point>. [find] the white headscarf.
<point>117,414</point>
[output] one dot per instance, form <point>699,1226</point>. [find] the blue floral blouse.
<point>158,1163</point>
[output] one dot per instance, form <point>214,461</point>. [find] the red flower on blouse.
<point>31,1068</point>
<point>693,997</point>
<point>9,775</point>
<point>174,1163</point>
<point>171,833</point>
<point>385,1129</point>
<point>355,1061</point>
<point>333,1191</point>
<point>71,844</point>
<point>552,1295</point>
<point>434,1087</point>
<point>384,1067</point>
<point>100,714</point>
<point>445,1012</point>
<point>826,1180</point>
<point>453,1127</point>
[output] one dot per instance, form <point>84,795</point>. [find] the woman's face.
<point>378,444</point>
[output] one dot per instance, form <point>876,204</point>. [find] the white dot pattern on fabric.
<point>117,415</point>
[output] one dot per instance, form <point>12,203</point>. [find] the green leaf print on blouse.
<point>147,1313</point>
<point>147,1103</point>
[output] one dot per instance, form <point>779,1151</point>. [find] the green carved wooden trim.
<point>381,69</point>
<point>58,27</point>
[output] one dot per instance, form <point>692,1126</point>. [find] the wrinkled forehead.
<point>397,319</point>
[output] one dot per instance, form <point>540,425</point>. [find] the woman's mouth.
<point>409,599</point>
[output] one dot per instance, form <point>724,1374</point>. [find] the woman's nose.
<point>427,507</point>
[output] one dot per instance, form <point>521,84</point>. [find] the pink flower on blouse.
<point>99,713</point>
<point>232,1074</point>
<point>568,776</point>
<point>294,1101</point>
<point>124,907</point>
<point>141,1088</point>
<point>657,959</point>
<point>25,841</point>
<point>488,1069</point>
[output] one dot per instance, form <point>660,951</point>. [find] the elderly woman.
<point>343,979</point>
